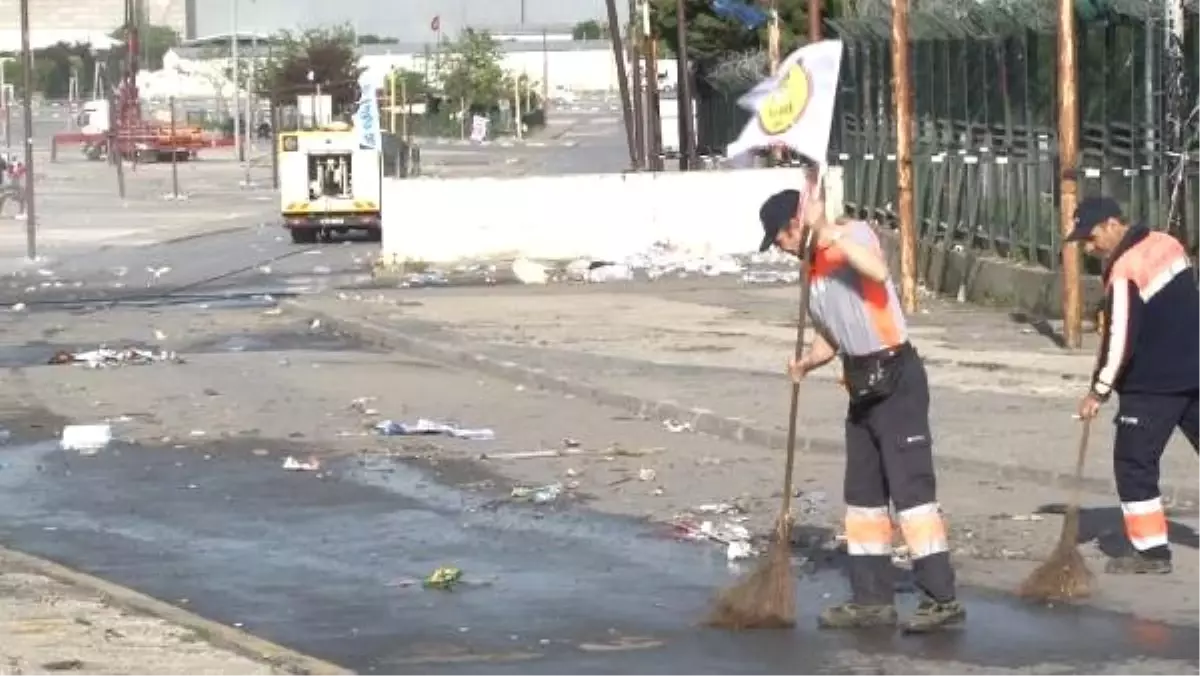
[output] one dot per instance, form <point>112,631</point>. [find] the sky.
<point>406,20</point>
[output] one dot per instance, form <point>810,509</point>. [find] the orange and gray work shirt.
<point>1150,343</point>
<point>860,315</point>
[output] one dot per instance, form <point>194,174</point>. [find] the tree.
<point>711,37</point>
<point>587,30</point>
<point>414,88</point>
<point>153,44</point>
<point>372,39</point>
<point>327,54</point>
<point>471,70</point>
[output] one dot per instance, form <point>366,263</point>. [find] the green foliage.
<point>328,54</point>
<point>587,30</point>
<point>409,85</point>
<point>372,39</point>
<point>711,38</point>
<point>471,70</point>
<point>154,43</point>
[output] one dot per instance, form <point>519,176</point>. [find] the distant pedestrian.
<point>889,444</point>
<point>13,186</point>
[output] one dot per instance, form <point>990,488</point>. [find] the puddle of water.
<point>280,341</point>
<point>311,560</point>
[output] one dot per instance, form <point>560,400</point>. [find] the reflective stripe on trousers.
<point>1145,523</point>
<point>924,530</point>
<point>868,531</point>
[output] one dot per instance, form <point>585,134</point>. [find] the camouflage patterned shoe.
<point>854,616</point>
<point>932,616</point>
<point>1137,564</point>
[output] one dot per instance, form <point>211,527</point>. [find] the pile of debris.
<point>106,358</point>
<point>729,531</point>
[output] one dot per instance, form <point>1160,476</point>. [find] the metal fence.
<point>985,153</point>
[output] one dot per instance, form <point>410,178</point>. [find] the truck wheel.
<point>304,235</point>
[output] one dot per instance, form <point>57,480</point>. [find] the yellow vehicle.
<point>328,183</point>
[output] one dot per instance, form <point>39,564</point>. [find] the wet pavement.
<point>317,561</point>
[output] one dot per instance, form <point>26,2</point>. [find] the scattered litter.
<point>361,405</point>
<point>159,335</point>
<point>538,495</point>
<point>418,280</point>
<point>444,578</point>
<point>527,455</point>
<point>771,276</point>
<point>529,272</point>
<point>392,428</point>
<point>314,324</point>
<point>646,474</point>
<point>1017,517</point>
<point>730,533</point>
<point>321,270</point>
<point>676,426</point>
<point>600,272</point>
<point>87,439</point>
<point>570,443</point>
<point>18,307</point>
<point>104,357</point>
<point>197,433</point>
<point>312,465</point>
<point>739,549</point>
<point>717,508</point>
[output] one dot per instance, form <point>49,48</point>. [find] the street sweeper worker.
<point>889,452</point>
<point>1150,357</point>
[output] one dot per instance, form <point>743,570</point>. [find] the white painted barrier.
<point>604,216</point>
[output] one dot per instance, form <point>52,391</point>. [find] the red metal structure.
<point>135,138</point>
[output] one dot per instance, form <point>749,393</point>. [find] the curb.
<point>215,633</point>
<point>702,420</point>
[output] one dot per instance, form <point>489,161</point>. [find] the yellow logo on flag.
<point>785,106</point>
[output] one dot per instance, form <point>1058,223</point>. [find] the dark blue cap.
<point>776,213</point>
<point>1090,213</point>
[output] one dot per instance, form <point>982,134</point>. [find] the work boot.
<point>1138,564</point>
<point>932,616</point>
<point>854,616</point>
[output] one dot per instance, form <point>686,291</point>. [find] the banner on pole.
<point>794,107</point>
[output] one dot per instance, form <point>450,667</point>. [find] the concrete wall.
<point>991,281</point>
<point>563,217</point>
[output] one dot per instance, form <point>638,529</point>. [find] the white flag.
<point>366,118</point>
<point>794,107</point>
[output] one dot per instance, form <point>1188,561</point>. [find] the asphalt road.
<point>325,563</point>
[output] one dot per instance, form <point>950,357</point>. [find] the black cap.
<point>1090,213</point>
<point>776,212</point>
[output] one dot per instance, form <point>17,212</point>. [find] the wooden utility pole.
<point>614,31</point>
<point>1068,157</point>
<point>814,20</point>
<point>773,38</point>
<point>653,121</point>
<point>687,148</point>
<point>902,86</point>
<point>635,62</point>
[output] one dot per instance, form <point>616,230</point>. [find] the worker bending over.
<point>1149,356</point>
<point>889,452</point>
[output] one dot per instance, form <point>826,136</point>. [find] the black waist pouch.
<point>873,377</point>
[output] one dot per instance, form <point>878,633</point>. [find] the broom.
<point>766,598</point>
<point>1065,575</point>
